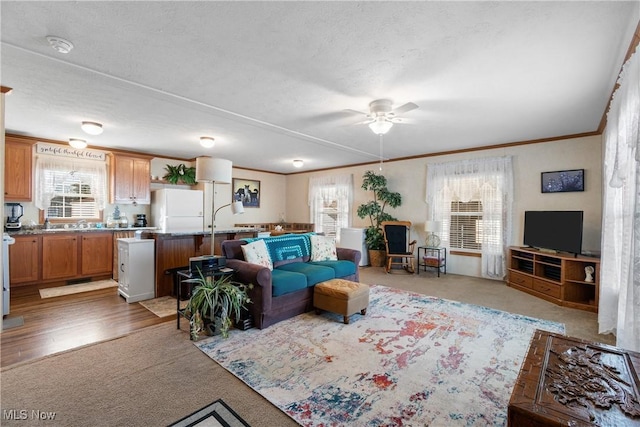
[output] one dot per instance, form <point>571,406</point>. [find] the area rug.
<point>12,322</point>
<point>412,360</point>
<point>163,306</point>
<point>77,288</point>
<point>218,414</point>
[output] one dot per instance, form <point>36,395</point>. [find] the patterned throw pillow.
<point>257,253</point>
<point>323,248</point>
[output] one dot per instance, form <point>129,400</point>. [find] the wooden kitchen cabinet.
<point>17,169</point>
<point>130,180</point>
<point>96,253</point>
<point>24,256</point>
<point>60,256</point>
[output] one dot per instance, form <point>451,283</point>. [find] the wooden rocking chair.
<point>399,249</point>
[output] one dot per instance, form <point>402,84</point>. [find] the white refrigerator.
<point>177,210</point>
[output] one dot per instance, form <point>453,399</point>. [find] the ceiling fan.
<point>382,116</point>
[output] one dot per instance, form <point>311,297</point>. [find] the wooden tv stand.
<point>558,278</point>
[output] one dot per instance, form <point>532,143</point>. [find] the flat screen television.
<point>555,230</point>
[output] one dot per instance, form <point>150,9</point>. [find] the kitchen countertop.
<point>30,231</point>
<point>206,233</point>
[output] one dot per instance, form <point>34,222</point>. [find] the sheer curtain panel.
<point>619,304</point>
<point>488,181</point>
<point>330,199</point>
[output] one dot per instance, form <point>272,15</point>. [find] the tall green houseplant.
<point>375,209</point>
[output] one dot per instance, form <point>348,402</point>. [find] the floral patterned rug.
<point>412,360</point>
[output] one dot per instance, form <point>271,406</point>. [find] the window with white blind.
<point>330,201</point>
<point>466,225</point>
<point>70,188</point>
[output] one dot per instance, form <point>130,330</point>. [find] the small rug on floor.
<point>412,360</point>
<point>163,306</point>
<point>12,322</point>
<point>218,414</point>
<point>77,288</point>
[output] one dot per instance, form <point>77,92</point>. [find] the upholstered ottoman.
<point>341,296</point>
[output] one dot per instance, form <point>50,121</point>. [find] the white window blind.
<point>70,188</point>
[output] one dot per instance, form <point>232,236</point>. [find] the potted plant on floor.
<point>375,211</point>
<point>214,302</point>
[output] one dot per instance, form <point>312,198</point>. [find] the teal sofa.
<point>287,290</point>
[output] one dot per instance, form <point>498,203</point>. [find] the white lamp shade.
<point>209,169</point>
<point>432,226</point>
<point>237,208</point>
<point>380,126</point>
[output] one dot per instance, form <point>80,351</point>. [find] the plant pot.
<point>377,257</point>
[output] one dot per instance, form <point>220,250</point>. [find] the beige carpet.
<point>163,306</point>
<point>152,377</point>
<point>76,289</point>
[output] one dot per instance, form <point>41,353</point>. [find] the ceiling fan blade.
<point>349,110</point>
<point>405,108</point>
<point>364,122</point>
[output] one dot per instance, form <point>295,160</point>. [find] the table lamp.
<point>213,170</point>
<point>432,240</point>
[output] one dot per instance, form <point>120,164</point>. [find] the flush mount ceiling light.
<point>60,44</point>
<point>207,141</point>
<point>298,163</point>
<point>92,128</point>
<point>78,143</point>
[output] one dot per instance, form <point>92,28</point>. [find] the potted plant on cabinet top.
<point>374,210</point>
<point>215,301</point>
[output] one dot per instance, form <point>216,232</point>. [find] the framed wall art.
<point>563,181</point>
<point>246,191</point>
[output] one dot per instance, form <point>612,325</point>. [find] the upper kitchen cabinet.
<point>130,180</point>
<point>17,169</point>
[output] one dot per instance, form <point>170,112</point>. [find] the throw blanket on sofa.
<point>286,247</point>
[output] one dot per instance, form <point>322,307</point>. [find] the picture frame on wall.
<point>246,191</point>
<point>562,181</point>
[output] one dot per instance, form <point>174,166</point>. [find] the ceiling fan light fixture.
<point>298,163</point>
<point>207,141</point>
<point>92,128</point>
<point>77,143</point>
<point>380,126</point>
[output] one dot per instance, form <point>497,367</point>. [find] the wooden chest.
<point>565,381</point>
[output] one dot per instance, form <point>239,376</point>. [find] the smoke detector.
<point>60,44</point>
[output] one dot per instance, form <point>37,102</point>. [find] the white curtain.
<point>46,183</point>
<point>488,180</point>
<point>325,189</point>
<point>619,305</point>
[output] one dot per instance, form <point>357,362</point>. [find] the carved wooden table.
<point>565,381</point>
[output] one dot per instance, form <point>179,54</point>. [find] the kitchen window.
<point>330,198</point>
<point>70,189</point>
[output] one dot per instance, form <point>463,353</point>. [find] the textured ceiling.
<point>271,81</point>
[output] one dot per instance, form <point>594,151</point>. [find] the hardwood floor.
<point>57,324</point>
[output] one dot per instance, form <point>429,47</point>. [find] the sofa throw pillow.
<point>323,248</point>
<point>257,253</point>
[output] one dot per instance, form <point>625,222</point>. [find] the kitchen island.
<point>173,251</point>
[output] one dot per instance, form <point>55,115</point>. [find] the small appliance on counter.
<point>13,221</point>
<point>141,220</point>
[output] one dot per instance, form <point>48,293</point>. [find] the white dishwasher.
<point>136,262</point>
<point>353,238</point>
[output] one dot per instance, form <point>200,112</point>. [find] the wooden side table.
<point>566,381</point>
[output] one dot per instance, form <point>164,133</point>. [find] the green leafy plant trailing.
<point>180,173</point>
<point>375,209</point>
<point>216,297</point>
